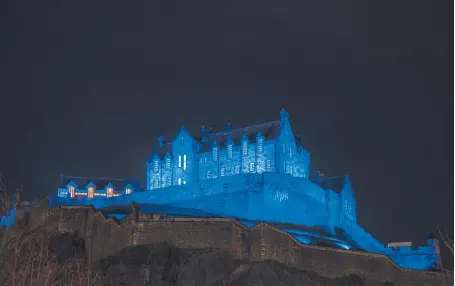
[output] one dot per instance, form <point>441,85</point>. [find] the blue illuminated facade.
<point>270,147</point>
<point>255,173</point>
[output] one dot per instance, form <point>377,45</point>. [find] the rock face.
<point>151,249</point>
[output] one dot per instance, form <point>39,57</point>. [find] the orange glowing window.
<point>128,191</point>
<point>90,193</point>
<point>71,191</point>
<point>110,192</point>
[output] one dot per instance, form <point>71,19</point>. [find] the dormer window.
<point>155,166</point>
<point>110,192</point>
<point>260,145</point>
<point>215,154</point>
<point>184,162</point>
<point>71,191</point>
<point>230,151</point>
<point>245,148</point>
<point>90,192</point>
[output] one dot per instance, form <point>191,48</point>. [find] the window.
<point>290,152</point>
<point>251,167</point>
<point>90,193</point>
<point>245,148</point>
<point>260,145</point>
<point>284,148</point>
<point>155,184</point>
<point>284,166</point>
<point>184,162</point>
<point>290,170</point>
<point>268,165</point>
<point>155,166</point>
<point>230,151</point>
<point>223,172</point>
<point>237,169</point>
<point>71,191</point>
<point>110,192</point>
<point>128,191</point>
<point>180,161</point>
<point>182,141</point>
<point>179,181</point>
<point>184,182</point>
<point>209,175</point>
<point>168,164</point>
<point>168,181</point>
<point>205,160</point>
<point>215,154</point>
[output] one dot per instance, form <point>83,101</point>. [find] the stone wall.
<point>106,237</point>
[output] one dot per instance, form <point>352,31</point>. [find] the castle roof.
<point>269,130</point>
<point>100,183</point>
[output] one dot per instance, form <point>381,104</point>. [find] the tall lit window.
<point>209,175</point>
<point>237,169</point>
<point>168,163</point>
<point>155,166</point>
<point>284,166</point>
<point>168,181</point>
<point>90,192</point>
<point>128,191</point>
<point>180,161</point>
<point>179,181</point>
<point>184,162</point>
<point>245,148</point>
<point>215,154</point>
<point>230,151</point>
<point>290,169</point>
<point>71,191</point>
<point>155,184</point>
<point>290,152</point>
<point>251,167</point>
<point>260,145</point>
<point>110,192</point>
<point>268,165</point>
<point>223,172</point>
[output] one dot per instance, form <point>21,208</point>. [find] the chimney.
<point>161,141</point>
<point>205,132</point>
<point>228,127</point>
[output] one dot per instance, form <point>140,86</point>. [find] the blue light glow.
<point>257,173</point>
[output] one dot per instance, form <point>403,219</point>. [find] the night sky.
<point>87,87</point>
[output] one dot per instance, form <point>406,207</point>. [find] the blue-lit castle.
<point>265,148</point>
<point>256,173</point>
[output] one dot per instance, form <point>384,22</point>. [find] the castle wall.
<point>107,237</point>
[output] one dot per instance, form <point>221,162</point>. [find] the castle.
<point>252,174</point>
<point>269,147</point>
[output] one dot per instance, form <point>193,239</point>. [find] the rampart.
<point>105,237</point>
